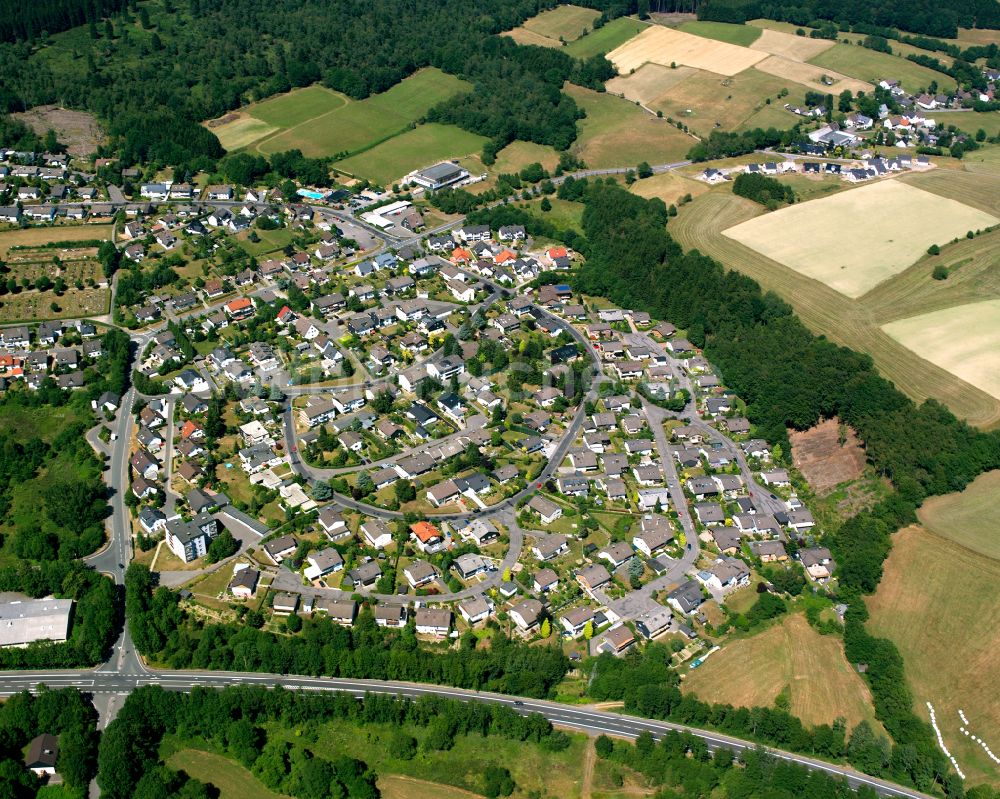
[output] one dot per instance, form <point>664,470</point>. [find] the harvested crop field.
<point>940,604</point>
<point>810,76</point>
<point>649,82</point>
<point>78,130</point>
<point>792,655</point>
<point>524,36</point>
<point>668,186</point>
<point>790,46</point>
<point>618,132</point>
<point>810,237</point>
<point>964,340</point>
<point>824,461</point>
<point>967,518</point>
<point>665,46</point>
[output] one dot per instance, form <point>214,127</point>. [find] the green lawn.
<point>356,126</point>
<point>869,65</point>
<point>564,214</point>
<point>743,35</point>
<point>270,241</point>
<point>604,40</point>
<point>232,780</point>
<point>420,147</point>
<point>297,106</point>
<point>970,122</point>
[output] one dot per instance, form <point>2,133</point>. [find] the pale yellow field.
<point>854,240</point>
<point>665,46</point>
<point>964,340</point>
<point>795,48</point>
<point>524,36</point>
<point>669,187</point>
<point>648,82</point>
<point>241,132</point>
<point>809,75</point>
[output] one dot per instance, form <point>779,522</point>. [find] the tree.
<point>546,629</point>
<point>545,204</point>
<point>497,782</point>
<point>933,250</point>
<point>644,170</point>
<point>588,630</point>
<point>940,272</point>
<point>604,746</point>
<point>223,546</point>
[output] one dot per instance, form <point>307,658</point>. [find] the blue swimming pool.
<point>312,195</point>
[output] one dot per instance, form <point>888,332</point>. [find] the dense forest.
<point>21,20</point>
<point>154,80</point>
<point>162,630</point>
<point>930,17</point>
<point>240,722</point>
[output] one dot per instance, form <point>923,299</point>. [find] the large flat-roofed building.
<point>25,621</point>
<point>439,175</point>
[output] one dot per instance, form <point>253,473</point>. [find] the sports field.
<point>967,518</point>
<point>554,27</point>
<point>964,340</point>
<point>940,604</point>
<point>811,76</point>
<point>743,35</point>
<point>617,132</point>
<point>857,323</point>
<point>665,46</point>
<point>871,66</point>
<point>606,38</point>
<point>423,146</point>
<point>810,237</point>
<point>795,48</point>
<point>358,125</point>
<point>788,656</point>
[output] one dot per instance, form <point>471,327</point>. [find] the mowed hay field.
<point>518,154</point>
<point>553,27</point>
<point>967,518</point>
<point>795,48</point>
<point>810,75</point>
<point>232,780</point>
<point>356,125</point>
<point>665,46</point>
<point>669,187</point>
<point>940,604</point>
<point>606,38</point>
<point>871,66</point>
<point>753,671</point>
<point>617,132</point>
<point>649,82</point>
<point>423,146</point>
<point>852,323</point>
<point>964,340</point>
<point>810,237</point>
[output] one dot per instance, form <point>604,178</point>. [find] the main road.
<point>584,719</point>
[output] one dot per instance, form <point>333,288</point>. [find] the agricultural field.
<point>857,323</point>
<point>743,35</point>
<point>35,236</point>
<point>718,102</point>
<point>963,340</point>
<point>790,657</point>
<point>969,122</point>
<point>665,46</point>
<point>969,36</point>
<point>876,252</point>
<point>871,66</point>
<point>423,146</point>
<point>607,38</point>
<point>518,154</point>
<point>939,604</point>
<point>617,132</point>
<point>773,115</point>
<point>967,518</point>
<point>811,76</point>
<point>669,187</point>
<point>556,26</point>
<point>649,82</point>
<point>790,46</point>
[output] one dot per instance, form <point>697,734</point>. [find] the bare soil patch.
<point>821,457</point>
<point>78,130</point>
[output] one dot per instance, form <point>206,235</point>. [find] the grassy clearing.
<point>617,132</point>
<point>969,36</point>
<point>35,236</point>
<point>770,116</point>
<point>524,36</point>
<point>669,187</point>
<point>605,39</point>
<point>297,106</point>
<point>564,214</point>
<point>871,66</point>
<point>717,102</point>
<point>396,787</point>
<point>517,155</point>
<point>356,126</point>
<point>877,252</point>
<point>232,780</point>
<point>964,340</point>
<point>967,518</point>
<point>422,146</point>
<point>664,46</point>
<point>568,23</point>
<point>969,122</point>
<point>939,604</point>
<point>852,323</point>
<point>743,35</point>
<point>242,132</point>
<point>791,655</point>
